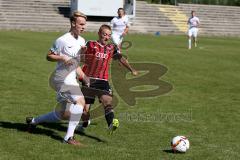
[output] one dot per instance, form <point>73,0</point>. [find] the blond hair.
<point>77,14</point>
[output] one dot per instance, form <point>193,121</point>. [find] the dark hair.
<point>121,9</point>
<point>77,14</point>
<point>104,26</point>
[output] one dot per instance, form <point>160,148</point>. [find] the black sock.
<point>109,115</point>
<point>109,118</point>
<point>85,118</point>
<point>85,124</point>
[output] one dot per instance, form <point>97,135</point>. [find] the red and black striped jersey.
<point>97,59</point>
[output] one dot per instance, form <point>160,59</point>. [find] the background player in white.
<point>193,23</point>
<point>120,26</point>
<point>65,52</point>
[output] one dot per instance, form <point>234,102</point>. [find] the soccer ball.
<point>180,144</point>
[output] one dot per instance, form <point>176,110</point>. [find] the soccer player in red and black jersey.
<point>97,57</point>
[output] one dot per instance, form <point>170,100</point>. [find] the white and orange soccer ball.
<point>180,144</point>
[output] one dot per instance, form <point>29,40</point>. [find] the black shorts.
<point>97,88</point>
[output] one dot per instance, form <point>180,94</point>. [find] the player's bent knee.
<point>81,101</point>
<point>106,100</point>
<point>86,108</point>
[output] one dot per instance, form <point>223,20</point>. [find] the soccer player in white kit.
<point>193,23</point>
<point>65,51</point>
<point>120,26</point>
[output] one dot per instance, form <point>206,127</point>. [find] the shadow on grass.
<point>168,150</point>
<point>92,137</point>
<point>171,151</point>
<point>48,130</point>
<point>23,128</point>
<point>61,127</point>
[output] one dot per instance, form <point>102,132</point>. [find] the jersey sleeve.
<point>90,47</point>
<point>112,22</point>
<point>57,47</point>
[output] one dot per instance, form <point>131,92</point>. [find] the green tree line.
<point>212,2</point>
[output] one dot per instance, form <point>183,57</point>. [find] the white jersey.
<point>193,22</point>
<point>69,47</point>
<point>119,24</point>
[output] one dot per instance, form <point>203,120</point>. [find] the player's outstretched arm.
<point>125,31</point>
<point>51,56</point>
<point>198,24</point>
<point>85,78</point>
<point>125,63</point>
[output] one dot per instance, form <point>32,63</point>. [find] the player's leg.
<point>195,33</point>
<point>189,42</point>
<point>85,118</point>
<point>75,111</point>
<point>106,100</point>
<point>89,97</point>
<point>120,43</point>
<point>57,115</point>
<point>107,103</point>
<point>117,40</point>
<point>54,116</point>
<point>51,117</point>
<point>190,38</point>
<point>109,113</point>
<point>195,41</point>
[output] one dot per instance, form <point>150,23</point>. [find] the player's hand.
<point>82,52</point>
<point>134,72</point>
<point>67,60</point>
<point>83,49</point>
<point>86,80</point>
<point>124,34</point>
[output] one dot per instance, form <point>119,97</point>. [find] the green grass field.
<point>203,104</point>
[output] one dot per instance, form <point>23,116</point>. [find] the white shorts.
<point>69,84</point>
<point>193,32</point>
<point>117,39</point>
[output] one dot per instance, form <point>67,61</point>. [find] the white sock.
<point>76,113</point>
<point>49,117</point>
<point>189,43</point>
